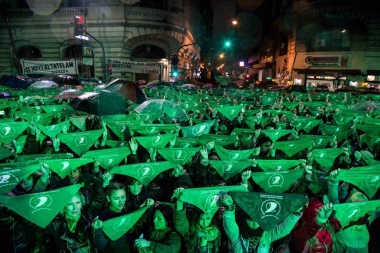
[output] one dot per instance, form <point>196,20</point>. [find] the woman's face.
<point>252,224</point>
<point>135,188</point>
<point>27,183</point>
<point>73,207</point>
<point>117,200</point>
<point>265,147</point>
<point>204,220</point>
<point>159,221</point>
<point>74,175</point>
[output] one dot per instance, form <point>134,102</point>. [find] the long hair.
<point>245,231</point>
<point>167,212</point>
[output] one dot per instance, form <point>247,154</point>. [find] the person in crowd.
<point>245,234</point>
<point>201,233</point>
<point>161,237</point>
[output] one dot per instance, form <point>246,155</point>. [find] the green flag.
<point>233,155</point>
<point>219,139</point>
<point>290,148</point>
<point>229,169</point>
<point>154,141</point>
<point>274,135</point>
<point>117,227</point>
<point>230,112</point>
<point>12,175</point>
<point>40,208</point>
<point>143,172</point>
<point>327,156</point>
<point>277,182</point>
<point>152,129</point>
<point>177,155</point>
<point>79,122</point>
<point>53,130</point>
<point>80,142</point>
<point>277,165</point>
<point>366,178</point>
<point>351,212</point>
<point>266,209</point>
<point>10,130</point>
<point>197,130</point>
<point>64,166</point>
<point>109,157</point>
<point>209,199</point>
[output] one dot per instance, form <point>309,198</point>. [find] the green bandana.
<point>351,212</point>
<point>266,209</point>
<point>233,155</point>
<point>10,130</point>
<point>274,135</point>
<point>267,100</point>
<point>277,165</point>
<point>290,148</point>
<point>109,157</point>
<point>79,122</point>
<point>320,141</point>
<point>219,139</point>
<point>343,119</point>
<point>365,178</point>
<point>178,155</point>
<point>116,144</point>
<point>40,208</point>
<point>64,166</point>
<point>282,125</point>
<point>277,182</point>
<point>81,142</point>
<point>197,130</point>
<point>117,227</point>
<point>209,199</point>
<point>290,105</point>
<point>119,126</point>
<point>143,172</point>
<point>371,121</point>
<point>54,130</point>
<point>40,157</point>
<point>369,129</point>
<point>327,156</point>
<point>55,108</point>
<point>152,129</point>
<point>341,132</point>
<point>370,140</point>
<point>306,123</point>
<point>230,112</point>
<point>154,141</point>
<point>40,118</point>
<point>20,143</point>
<point>186,143</point>
<point>12,175</point>
<point>229,169</point>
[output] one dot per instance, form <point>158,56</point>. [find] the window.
<point>337,39</point>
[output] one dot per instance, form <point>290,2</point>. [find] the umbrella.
<point>66,80</point>
<point>69,94</point>
<point>154,82</point>
<point>366,106</point>
<point>4,94</point>
<point>44,84</point>
<point>188,86</point>
<point>171,109</point>
<point>16,82</point>
<point>140,82</point>
<point>208,85</point>
<point>222,80</point>
<point>125,89</point>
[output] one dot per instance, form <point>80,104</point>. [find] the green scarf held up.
<point>319,141</point>
<point>63,167</point>
<point>229,169</point>
<point>54,130</point>
<point>369,129</point>
<point>268,210</point>
<point>274,135</point>
<point>79,122</point>
<point>290,148</point>
<point>20,143</point>
<point>109,157</point>
<point>198,129</point>
<point>186,143</point>
<point>277,165</point>
<point>209,199</point>
<point>351,212</point>
<point>327,156</point>
<point>154,141</point>
<point>143,172</point>
<point>277,182</point>
<point>152,129</point>
<point>40,208</point>
<point>306,123</point>
<point>178,155</point>
<point>118,127</point>
<point>370,140</point>
<point>233,155</point>
<point>218,139</point>
<point>366,178</point>
<point>117,227</point>
<point>10,130</point>
<point>12,175</point>
<point>230,112</point>
<point>80,142</point>
<point>341,132</point>
<point>38,118</point>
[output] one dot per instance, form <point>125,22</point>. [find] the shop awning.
<point>348,72</point>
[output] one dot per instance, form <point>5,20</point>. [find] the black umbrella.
<point>66,80</point>
<point>16,82</point>
<point>126,89</point>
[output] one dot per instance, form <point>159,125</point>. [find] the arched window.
<point>336,39</point>
<point>28,53</point>
<point>148,51</point>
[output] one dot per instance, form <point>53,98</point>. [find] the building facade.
<point>123,37</point>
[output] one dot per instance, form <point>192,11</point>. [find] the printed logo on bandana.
<point>8,179</point>
<point>40,202</point>
<point>53,127</point>
<point>121,129</point>
<point>211,203</point>
<point>7,131</point>
<point>320,141</point>
<point>152,130</point>
<point>308,124</point>
<point>234,156</point>
<point>109,161</point>
<point>179,155</point>
<point>277,168</point>
<point>185,145</point>
<point>353,214</point>
<point>81,141</point>
<point>198,130</point>
<point>145,172</point>
<point>291,146</point>
<point>270,208</point>
<point>157,140</point>
<point>321,155</point>
<point>228,168</point>
<point>276,181</point>
<point>65,165</point>
<point>120,224</point>
<point>37,118</point>
<point>232,112</point>
<point>373,181</point>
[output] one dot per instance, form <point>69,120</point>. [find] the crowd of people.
<point>142,166</point>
